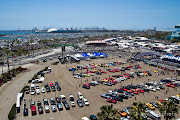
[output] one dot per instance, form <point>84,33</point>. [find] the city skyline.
<point>114,14</point>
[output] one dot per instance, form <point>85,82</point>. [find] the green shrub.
<point>12,113</point>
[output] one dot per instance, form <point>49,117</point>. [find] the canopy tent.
<point>85,54</point>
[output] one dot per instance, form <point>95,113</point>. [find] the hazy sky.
<point>111,14</point>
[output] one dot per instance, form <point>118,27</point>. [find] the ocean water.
<point>17,32</point>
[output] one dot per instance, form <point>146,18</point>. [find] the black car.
<point>40,109</point>
<point>38,103</point>
<point>134,87</point>
<point>56,83</point>
<point>58,88</point>
<point>48,89</point>
<point>161,87</point>
<point>118,99</point>
<point>146,90</point>
<point>45,60</point>
<point>59,106</point>
<point>130,86</point>
<point>123,96</point>
<point>25,112</point>
<point>120,91</point>
<point>92,84</point>
<point>66,105</point>
<point>53,88</point>
<point>93,117</point>
<point>80,103</point>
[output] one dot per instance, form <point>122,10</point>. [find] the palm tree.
<point>7,51</point>
<point>137,110</point>
<point>169,109</point>
<point>108,113</point>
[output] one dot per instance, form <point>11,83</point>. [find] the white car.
<point>77,76</point>
<point>46,108</point>
<point>33,92</point>
<point>110,91</point>
<point>37,91</point>
<point>85,118</point>
<point>80,96</point>
<point>72,103</point>
<point>157,88</point>
<point>85,101</point>
<point>43,90</point>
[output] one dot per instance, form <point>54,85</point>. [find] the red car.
<point>117,70</point>
<point>127,77</point>
<point>111,101</point>
<point>103,72</point>
<point>141,91</point>
<point>125,74</point>
<point>125,89</point>
<point>129,66</point>
<point>170,85</point>
<point>51,84</point>
<point>113,81</point>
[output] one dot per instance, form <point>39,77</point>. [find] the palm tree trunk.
<point>8,64</point>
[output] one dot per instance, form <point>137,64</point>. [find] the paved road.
<point>8,92</point>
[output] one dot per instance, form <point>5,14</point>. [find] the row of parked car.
<point>130,90</point>
<point>148,108</point>
<point>35,89</point>
<point>56,103</point>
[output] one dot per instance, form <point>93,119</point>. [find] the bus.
<point>18,105</point>
<point>18,102</point>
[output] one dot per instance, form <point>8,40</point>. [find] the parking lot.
<point>70,85</point>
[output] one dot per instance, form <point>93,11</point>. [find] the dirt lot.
<point>70,85</point>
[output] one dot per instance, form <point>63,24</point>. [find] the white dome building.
<point>52,29</point>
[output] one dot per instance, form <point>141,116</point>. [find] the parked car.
<point>59,106</point>
<point>52,101</point>
<point>71,97</point>
<point>38,103</point>
<point>72,103</point>
<point>45,100</point>
<point>46,108</point>
<point>53,108</point>
<point>58,100</point>
<point>37,91</point>
<point>58,87</point>
<point>111,101</point>
<point>93,117</point>
<point>122,113</point>
<point>80,96</point>
<point>25,112</point>
<point>40,109</point>
<point>43,90</point>
<point>105,96</point>
<point>48,89</point>
<point>80,103</point>
<point>66,105</point>
<point>53,88</point>
<point>33,92</point>
<point>85,101</point>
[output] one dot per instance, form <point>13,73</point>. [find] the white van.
<point>154,115</point>
<point>80,96</point>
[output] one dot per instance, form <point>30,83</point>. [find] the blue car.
<point>25,112</point>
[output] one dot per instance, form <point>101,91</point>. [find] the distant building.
<point>175,33</point>
<point>96,43</point>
